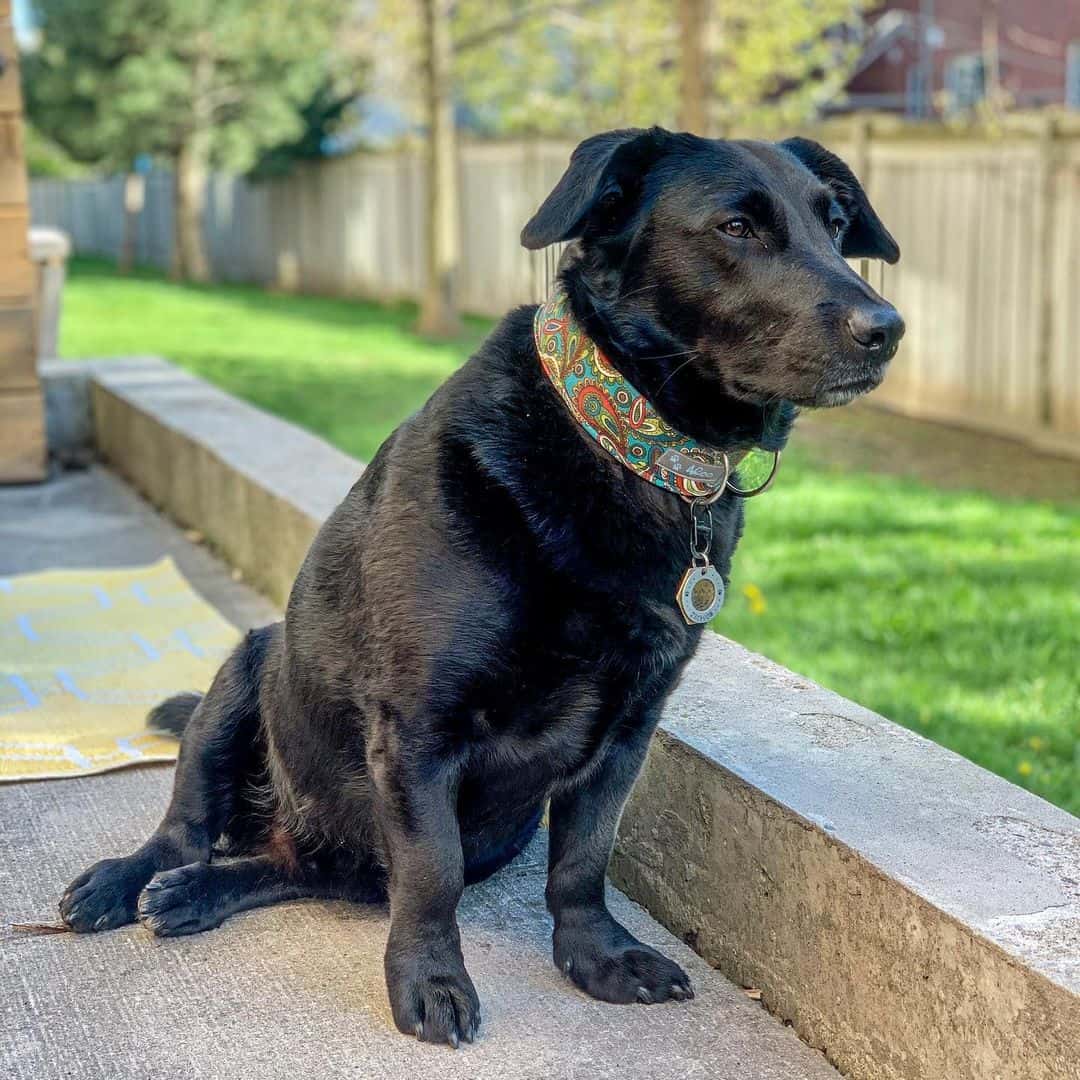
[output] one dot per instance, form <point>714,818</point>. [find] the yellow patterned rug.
<point>84,654</point>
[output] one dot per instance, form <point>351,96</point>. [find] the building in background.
<point>936,58</point>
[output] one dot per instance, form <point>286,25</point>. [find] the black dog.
<point>488,620</point>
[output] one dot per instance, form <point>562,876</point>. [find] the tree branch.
<point>523,15</point>
<point>226,96</point>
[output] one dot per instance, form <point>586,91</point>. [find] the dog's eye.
<point>738,227</point>
<point>836,227</point>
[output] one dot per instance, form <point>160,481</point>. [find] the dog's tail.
<point>173,714</point>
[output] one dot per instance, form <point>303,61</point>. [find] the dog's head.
<point>718,267</point>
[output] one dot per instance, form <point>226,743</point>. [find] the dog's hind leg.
<point>218,736</point>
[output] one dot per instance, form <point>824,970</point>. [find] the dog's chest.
<point>570,680</point>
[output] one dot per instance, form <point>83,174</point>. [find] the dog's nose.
<point>877,328</point>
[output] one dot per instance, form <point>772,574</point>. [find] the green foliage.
<point>579,66</point>
<point>946,612</point>
<point>778,63</point>
<point>321,117</point>
<point>45,158</point>
<point>113,79</point>
<point>570,69</point>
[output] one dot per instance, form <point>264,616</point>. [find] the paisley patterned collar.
<point>617,415</point>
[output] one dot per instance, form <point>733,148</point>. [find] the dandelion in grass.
<point>755,598</point>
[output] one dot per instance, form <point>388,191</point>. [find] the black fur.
<point>171,716</point>
<point>487,622</point>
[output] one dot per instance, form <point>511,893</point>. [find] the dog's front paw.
<point>104,896</point>
<point>180,902</point>
<point>431,995</point>
<point>609,963</point>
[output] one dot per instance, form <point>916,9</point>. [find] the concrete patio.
<point>297,988</point>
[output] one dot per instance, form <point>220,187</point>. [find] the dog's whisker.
<point>669,355</point>
<point>635,292</point>
<point>692,358</point>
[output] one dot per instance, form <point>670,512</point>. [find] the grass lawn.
<point>349,371</point>
<point>955,614</point>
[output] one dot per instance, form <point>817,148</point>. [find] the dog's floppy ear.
<point>866,237</point>
<point>601,183</point>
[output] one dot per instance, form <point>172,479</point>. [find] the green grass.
<point>347,370</point>
<point>955,614</point>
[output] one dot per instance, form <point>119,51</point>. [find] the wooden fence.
<point>351,225</point>
<point>989,282</point>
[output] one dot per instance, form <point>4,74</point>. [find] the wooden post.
<point>22,420</point>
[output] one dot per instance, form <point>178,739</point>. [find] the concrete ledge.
<point>256,487</point>
<point>69,426</point>
<point>909,913</point>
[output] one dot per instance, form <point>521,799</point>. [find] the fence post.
<point>1049,155</point>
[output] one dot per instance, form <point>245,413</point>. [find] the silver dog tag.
<point>701,594</point>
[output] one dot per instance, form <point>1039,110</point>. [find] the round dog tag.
<point>701,594</point>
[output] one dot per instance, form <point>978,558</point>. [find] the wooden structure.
<point>22,421</point>
<point>926,59</point>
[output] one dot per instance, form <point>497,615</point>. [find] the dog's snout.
<point>877,328</point>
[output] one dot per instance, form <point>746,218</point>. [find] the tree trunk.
<point>134,198</point>
<point>189,255</point>
<point>692,94</point>
<point>191,173</point>
<point>438,309</point>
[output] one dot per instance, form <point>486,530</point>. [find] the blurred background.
<point>316,204</point>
